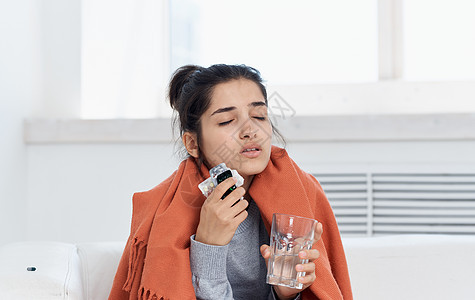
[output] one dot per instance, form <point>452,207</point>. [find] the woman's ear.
<point>191,143</point>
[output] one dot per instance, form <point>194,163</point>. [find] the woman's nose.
<point>248,130</point>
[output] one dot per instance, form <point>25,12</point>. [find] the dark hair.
<point>190,92</point>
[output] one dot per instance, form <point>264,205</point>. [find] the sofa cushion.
<point>412,267</point>
<point>56,272</point>
<point>99,263</point>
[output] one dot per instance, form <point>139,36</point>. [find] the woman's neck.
<point>247,182</point>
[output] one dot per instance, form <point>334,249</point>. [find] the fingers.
<point>241,216</point>
<point>220,189</point>
<point>308,279</point>
<point>233,197</point>
<point>232,203</point>
<point>309,270</point>
<point>318,232</point>
<point>265,252</point>
<point>239,207</point>
<point>311,254</point>
<point>310,267</point>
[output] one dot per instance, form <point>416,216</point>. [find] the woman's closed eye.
<point>225,122</point>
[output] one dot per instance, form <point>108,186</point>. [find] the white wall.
<point>60,25</point>
<point>82,174</point>
<point>83,192</point>
<point>39,76</point>
<point>20,85</point>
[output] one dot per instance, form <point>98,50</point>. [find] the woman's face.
<point>236,129</point>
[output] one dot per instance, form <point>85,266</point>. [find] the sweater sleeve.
<point>273,295</point>
<point>208,268</point>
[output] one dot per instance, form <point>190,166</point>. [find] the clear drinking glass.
<point>289,235</point>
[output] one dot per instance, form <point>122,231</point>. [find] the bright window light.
<point>439,40</point>
<point>122,58</point>
<point>298,42</point>
<point>305,47</point>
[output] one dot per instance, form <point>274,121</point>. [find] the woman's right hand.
<point>219,219</point>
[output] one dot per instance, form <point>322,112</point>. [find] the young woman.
<point>185,246</point>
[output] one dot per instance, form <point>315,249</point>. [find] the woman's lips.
<point>251,152</point>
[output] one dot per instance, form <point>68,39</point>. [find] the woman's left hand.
<point>309,268</point>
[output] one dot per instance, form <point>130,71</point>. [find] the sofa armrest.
<point>55,271</point>
<point>99,263</point>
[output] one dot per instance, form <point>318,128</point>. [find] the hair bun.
<point>179,79</point>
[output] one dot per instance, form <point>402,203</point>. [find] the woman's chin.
<point>250,170</point>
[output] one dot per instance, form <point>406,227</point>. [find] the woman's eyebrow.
<point>257,104</point>
<point>224,109</point>
<point>229,108</point>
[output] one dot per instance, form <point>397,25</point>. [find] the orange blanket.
<point>155,263</point>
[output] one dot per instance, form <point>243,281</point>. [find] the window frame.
<point>390,71</point>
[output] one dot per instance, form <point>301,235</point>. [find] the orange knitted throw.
<point>155,263</point>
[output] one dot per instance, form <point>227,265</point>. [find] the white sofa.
<point>63,271</point>
<point>412,267</point>
<point>381,268</point>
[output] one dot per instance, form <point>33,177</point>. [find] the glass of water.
<point>289,235</point>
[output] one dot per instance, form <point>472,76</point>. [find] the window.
<point>299,42</point>
<point>324,57</point>
<point>439,40</point>
<point>123,58</point>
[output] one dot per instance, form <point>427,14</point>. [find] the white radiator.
<point>368,204</point>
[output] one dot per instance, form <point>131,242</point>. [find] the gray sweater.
<point>236,270</point>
